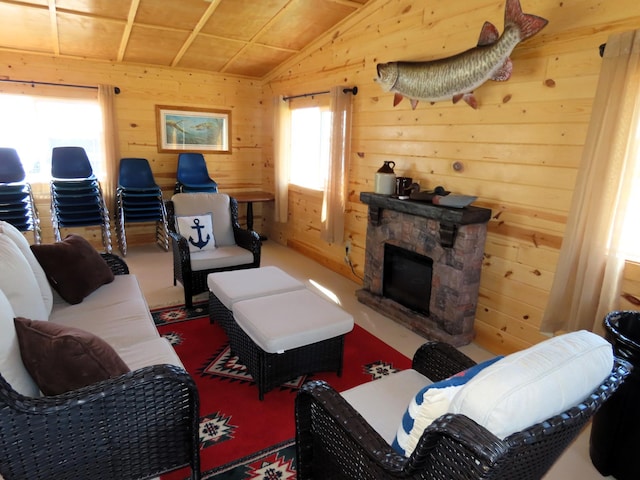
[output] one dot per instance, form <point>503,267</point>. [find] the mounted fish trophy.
<point>458,76</point>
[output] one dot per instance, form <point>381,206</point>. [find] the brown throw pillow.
<point>74,268</point>
<point>61,359</point>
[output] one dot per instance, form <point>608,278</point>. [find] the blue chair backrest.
<point>136,173</point>
<point>192,169</point>
<point>70,162</point>
<point>11,169</point>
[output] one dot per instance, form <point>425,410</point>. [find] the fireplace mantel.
<point>450,218</point>
<point>453,238</point>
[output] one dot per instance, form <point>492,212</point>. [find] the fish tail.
<point>528,24</point>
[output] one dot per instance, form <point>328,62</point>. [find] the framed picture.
<point>193,129</point>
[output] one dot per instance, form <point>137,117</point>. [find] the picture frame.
<point>192,129</point>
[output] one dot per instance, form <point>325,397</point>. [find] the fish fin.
<point>457,97</point>
<point>470,99</point>
<point>397,98</point>
<point>504,72</point>
<point>414,103</point>
<point>528,24</point>
<point>488,35</point>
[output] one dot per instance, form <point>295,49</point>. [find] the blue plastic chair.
<point>17,205</point>
<point>139,199</point>
<point>76,195</point>
<point>70,163</point>
<point>192,174</point>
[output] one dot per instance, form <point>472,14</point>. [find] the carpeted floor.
<point>241,436</point>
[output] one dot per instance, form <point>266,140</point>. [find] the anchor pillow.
<point>198,230</point>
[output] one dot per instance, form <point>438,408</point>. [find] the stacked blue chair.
<point>139,199</point>
<point>76,195</point>
<point>17,206</point>
<point>192,175</point>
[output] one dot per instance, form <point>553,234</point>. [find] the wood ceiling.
<point>240,37</point>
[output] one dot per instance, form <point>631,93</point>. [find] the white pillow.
<point>11,366</point>
<point>19,283</point>
<point>18,238</point>
<point>430,403</point>
<point>217,203</point>
<point>532,385</point>
<point>198,230</point>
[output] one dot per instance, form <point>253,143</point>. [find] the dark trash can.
<point>615,431</point>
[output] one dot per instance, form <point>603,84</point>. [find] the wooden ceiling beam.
<point>124,41</point>
<point>347,3</point>
<point>196,30</point>
<point>53,23</point>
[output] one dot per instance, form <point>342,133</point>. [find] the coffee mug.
<point>403,186</point>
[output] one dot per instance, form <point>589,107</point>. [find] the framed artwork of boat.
<point>193,129</point>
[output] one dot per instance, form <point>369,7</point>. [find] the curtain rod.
<point>353,90</point>
<point>32,82</point>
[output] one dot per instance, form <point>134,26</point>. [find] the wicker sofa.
<point>136,425</point>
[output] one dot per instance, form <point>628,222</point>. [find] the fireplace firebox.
<point>407,278</point>
<point>408,232</point>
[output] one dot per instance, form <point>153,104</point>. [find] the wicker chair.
<point>135,426</point>
<point>195,281</point>
<point>335,442</point>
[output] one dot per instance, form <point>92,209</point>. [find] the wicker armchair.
<point>335,442</point>
<point>135,426</point>
<point>195,281</point>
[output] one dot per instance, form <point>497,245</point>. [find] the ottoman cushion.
<point>277,323</point>
<point>237,285</point>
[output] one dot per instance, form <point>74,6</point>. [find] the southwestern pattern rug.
<point>243,438</point>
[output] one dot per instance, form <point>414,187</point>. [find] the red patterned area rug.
<point>241,436</point>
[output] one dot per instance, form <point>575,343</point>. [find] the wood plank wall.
<point>142,88</point>
<point>519,151</point>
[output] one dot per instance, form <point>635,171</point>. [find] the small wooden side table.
<point>249,198</point>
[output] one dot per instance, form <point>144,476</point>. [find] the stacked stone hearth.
<point>453,238</point>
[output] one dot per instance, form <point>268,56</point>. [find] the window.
<point>34,125</point>
<point>629,244</point>
<point>310,135</point>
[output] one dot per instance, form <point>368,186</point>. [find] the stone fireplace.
<point>423,264</point>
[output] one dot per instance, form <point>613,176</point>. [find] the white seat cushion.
<point>155,351</point>
<point>237,285</point>
<point>116,312</point>
<point>383,402</point>
<point>19,283</point>
<point>11,365</point>
<point>18,238</point>
<point>532,385</point>
<point>221,257</point>
<point>280,322</point>
<point>218,204</point>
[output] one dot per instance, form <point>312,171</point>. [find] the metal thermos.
<point>386,179</point>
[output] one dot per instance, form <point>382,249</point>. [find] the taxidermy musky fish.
<point>458,76</point>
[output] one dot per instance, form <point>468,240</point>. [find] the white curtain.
<point>281,154</point>
<point>587,282</point>
<point>335,194</point>
<point>106,98</point>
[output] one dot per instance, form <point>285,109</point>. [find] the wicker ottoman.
<point>280,337</point>
<point>227,288</point>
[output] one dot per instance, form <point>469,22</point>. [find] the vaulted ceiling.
<point>240,37</point>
